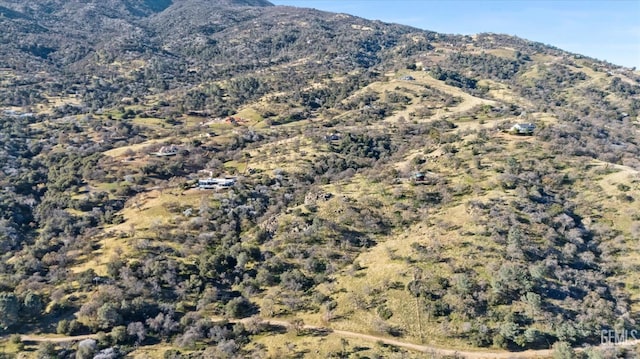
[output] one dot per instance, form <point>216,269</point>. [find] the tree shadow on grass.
<point>318,332</point>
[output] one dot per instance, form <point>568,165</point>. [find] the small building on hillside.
<point>334,136</point>
<point>216,183</point>
<point>166,151</point>
<point>523,128</point>
<point>418,177</point>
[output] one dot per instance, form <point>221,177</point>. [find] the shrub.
<point>15,339</point>
<point>172,354</point>
<point>384,312</point>
<point>562,350</point>
<point>62,327</point>
<point>86,349</point>
<point>238,308</point>
<point>119,335</point>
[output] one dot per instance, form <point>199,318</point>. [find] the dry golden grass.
<point>152,351</point>
<point>289,345</point>
<point>384,276</point>
<point>543,58</point>
<point>7,347</point>
<point>543,118</point>
<point>534,73</point>
<point>150,122</point>
<point>236,167</point>
<point>468,101</point>
<point>383,268</point>
<point>620,215</point>
<point>127,68</point>
<point>503,52</point>
<point>250,114</point>
<point>52,102</point>
<point>142,215</point>
<point>292,154</point>
<point>502,92</point>
<point>121,151</point>
<point>56,101</point>
<point>386,268</point>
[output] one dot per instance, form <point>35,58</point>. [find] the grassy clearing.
<point>10,348</point>
<point>502,92</point>
<point>150,208</point>
<point>290,345</point>
<point>151,351</point>
<point>57,101</point>
<point>543,58</point>
<point>151,122</point>
<point>193,121</point>
<point>536,72</point>
<point>289,154</point>
<point>503,52</point>
<point>51,102</point>
<point>250,114</point>
<point>236,167</point>
<point>544,118</point>
<point>384,276</point>
<point>143,216</point>
<point>121,151</point>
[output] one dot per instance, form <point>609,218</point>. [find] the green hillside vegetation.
<point>383,201</point>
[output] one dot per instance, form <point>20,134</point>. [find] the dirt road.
<point>56,339</point>
<point>529,354</point>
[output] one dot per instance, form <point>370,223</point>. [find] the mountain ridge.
<point>459,191</point>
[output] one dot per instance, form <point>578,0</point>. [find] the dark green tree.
<point>33,306</point>
<point>9,310</point>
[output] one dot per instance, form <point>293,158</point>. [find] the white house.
<point>167,151</point>
<point>216,183</point>
<point>523,128</point>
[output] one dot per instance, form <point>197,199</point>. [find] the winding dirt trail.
<point>421,79</point>
<point>53,339</point>
<point>431,350</point>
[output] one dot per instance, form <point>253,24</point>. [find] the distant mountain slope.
<point>455,191</point>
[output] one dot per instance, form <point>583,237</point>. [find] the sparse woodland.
<point>504,242</point>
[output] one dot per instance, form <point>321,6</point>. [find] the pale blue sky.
<point>606,30</point>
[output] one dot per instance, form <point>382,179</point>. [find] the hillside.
<point>367,191</point>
